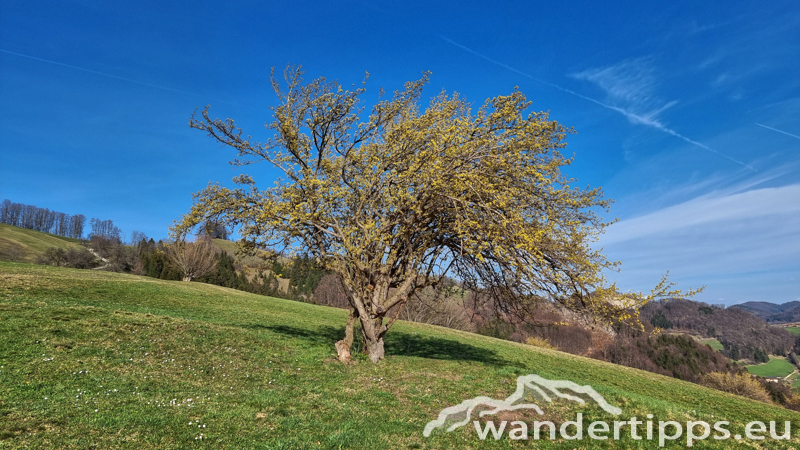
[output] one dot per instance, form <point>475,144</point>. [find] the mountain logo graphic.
<point>461,414</point>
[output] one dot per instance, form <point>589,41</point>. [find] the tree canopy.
<point>396,198</point>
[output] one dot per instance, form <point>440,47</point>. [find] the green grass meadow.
<point>777,366</point>
<point>793,330</point>
<point>103,360</point>
<point>231,248</point>
<point>713,343</point>
<point>32,243</point>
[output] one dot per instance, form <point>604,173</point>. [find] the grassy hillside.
<point>252,262</point>
<point>713,343</point>
<point>107,360</point>
<point>230,247</point>
<point>32,243</point>
<point>777,366</point>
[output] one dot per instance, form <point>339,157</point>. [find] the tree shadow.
<point>412,344</point>
<point>397,343</point>
<point>322,335</point>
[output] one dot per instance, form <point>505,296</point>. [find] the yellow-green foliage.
<point>539,342</point>
<point>739,384</point>
<point>399,197</point>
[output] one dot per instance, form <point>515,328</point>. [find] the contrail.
<point>108,75</point>
<point>633,117</point>
<point>779,131</point>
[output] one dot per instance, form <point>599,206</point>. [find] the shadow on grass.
<point>396,343</point>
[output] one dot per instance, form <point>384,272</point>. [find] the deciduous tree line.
<point>42,219</point>
<point>45,220</point>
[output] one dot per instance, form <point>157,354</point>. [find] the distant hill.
<point>743,334</point>
<point>23,245</point>
<point>773,312</point>
<point>790,315</point>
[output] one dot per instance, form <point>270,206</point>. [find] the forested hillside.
<point>744,335</point>
<point>772,312</point>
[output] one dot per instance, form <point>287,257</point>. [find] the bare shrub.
<point>52,256</point>
<point>79,258</point>
<point>194,259</point>
<point>330,292</point>
<point>14,252</point>
<point>443,306</point>
<point>104,245</point>
<point>139,268</point>
<point>573,339</point>
<point>740,384</point>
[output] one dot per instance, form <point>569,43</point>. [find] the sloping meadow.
<point>26,245</point>
<point>102,360</point>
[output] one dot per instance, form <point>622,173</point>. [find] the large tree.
<point>396,198</point>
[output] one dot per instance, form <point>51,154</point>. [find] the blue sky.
<point>687,114</point>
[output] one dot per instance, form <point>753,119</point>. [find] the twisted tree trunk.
<point>371,306</point>
<point>373,331</point>
<point>343,347</point>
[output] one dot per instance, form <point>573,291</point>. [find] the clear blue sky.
<point>687,114</point>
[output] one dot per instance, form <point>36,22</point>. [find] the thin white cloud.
<point>721,79</point>
<point>644,119</point>
<point>651,198</point>
<point>630,87</point>
<point>630,84</point>
<point>779,131</point>
<point>696,28</point>
<point>710,209</point>
<point>742,246</point>
<point>108,75</point>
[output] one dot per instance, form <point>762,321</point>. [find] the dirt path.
<point>107,262</point>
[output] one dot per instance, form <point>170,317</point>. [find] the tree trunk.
<point>187,278</point>
<point>375,350</point>
<point>343,347</point>
<point>371,313</point>
<point>373,338</point>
